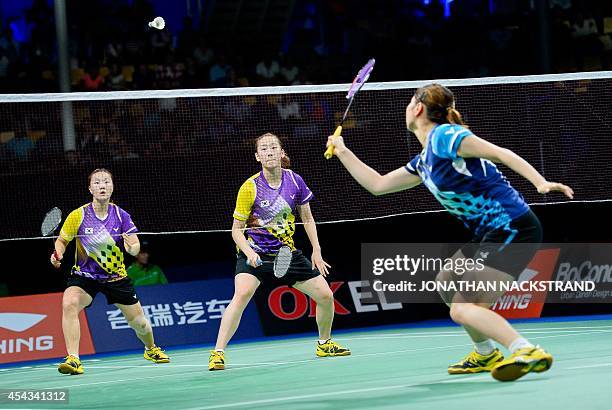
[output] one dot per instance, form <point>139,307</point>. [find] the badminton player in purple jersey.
<point>103,232</point>
<point>266,205</point>
<point>459,169</point>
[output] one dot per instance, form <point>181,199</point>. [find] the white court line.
<point>265,364</point>
<point>275,346</point>
<point>165,366</point>
<point>398,335</point>
<point>590,366</point>
<point>259,365</point>
<point>316,360</point>
<point>463,334</point>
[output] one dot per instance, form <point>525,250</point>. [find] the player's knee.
<point>70,304</point>
<point>140,324</point>
<point>242,297</point>
<point>325,297</point>
<point>444,277</point>
<point>458,312</point>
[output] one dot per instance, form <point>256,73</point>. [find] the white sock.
<point>75,355</point>
<point>485,347</point>
<point>322,341</point>
<point>519,343</point>
<point>220,350</point>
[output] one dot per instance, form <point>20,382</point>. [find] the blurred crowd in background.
<point>112,48</point>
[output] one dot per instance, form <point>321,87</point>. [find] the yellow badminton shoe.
<point>331,348</point>
<point>71,365</point>
<point>523,361</point>
<point>216,360</point>
<point>476,363</point>
<point>156,355</point>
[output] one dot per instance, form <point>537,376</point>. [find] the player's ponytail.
<point>454,117</point>
<point>440,104</point>
<point>285,162</point>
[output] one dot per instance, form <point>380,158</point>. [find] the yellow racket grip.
<point>330,150</point>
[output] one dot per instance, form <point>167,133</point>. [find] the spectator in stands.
<point>267,70</point>
<point>585,33</point>
<point>143,78</point>
<point>289,71</point>
<point>561,4</point>
<point>20,147</point>
<point>144,273</point>
<point>9,45</point>
<point>288,108</point>
<point>115,78</point>
<point>92,80</point>
<point>219,73</point>
<point>4,65</point>
<point>203,54</point>
<point>114,51</point>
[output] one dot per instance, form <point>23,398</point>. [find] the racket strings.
<point>51,221</point>
<point>282,262</point>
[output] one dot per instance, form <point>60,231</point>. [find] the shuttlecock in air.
<point>158,23</point>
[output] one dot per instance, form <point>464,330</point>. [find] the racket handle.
<point>330,150</point>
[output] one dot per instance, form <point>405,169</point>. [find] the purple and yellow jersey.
<point>99,245</point>
<point>270,213</point>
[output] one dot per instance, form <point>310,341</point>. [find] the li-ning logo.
<point>19,322</point>
<point>88,231</point>
<point>519,301</point>
<point>264,203</point>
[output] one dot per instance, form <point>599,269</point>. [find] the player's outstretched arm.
<point>475,147</point>
<point>397,180</point>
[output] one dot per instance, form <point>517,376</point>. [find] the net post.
<point>64,75</point>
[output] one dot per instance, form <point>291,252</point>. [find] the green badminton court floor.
<point>389,369</point>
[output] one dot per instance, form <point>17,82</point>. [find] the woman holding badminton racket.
<point>458,168</point>
<point>103,231</point>
<point>266,206</point>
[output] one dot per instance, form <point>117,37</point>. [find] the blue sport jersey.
<point>472,189</point>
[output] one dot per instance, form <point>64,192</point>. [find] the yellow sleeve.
<point>245,200</point>
<point>71,225</point>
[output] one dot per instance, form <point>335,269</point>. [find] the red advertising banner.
<point>522,305</point>
<point>31,328</point>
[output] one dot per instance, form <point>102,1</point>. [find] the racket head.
<point>360,79</point>
<point>51,221</point>
<point>282,261</point>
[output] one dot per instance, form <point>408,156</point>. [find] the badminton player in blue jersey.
<point>458,168</point>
